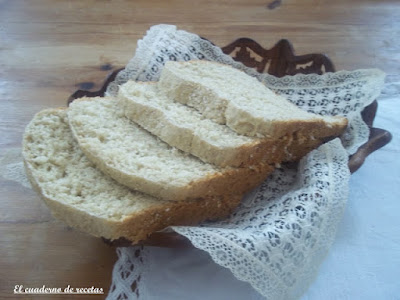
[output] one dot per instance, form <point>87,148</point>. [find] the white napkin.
<point>276,240</point>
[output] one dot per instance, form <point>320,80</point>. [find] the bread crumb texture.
<point>140,160</point>
<point>230,96</point>
<point>83,197</point>
<point>64,172</point>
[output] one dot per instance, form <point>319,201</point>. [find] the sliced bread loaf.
<point>141,161</point>
<point>229,96</point>
<point>186,129</point>
<point>83,197</point>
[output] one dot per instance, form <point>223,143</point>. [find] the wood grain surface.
<point>48,49</point>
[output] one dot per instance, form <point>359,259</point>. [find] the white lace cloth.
<point>276,240</point>
<point>281,232</point>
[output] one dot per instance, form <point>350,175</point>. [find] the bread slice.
<point>83,197</point>
<point>229,96</point>
<point>187,129</point>
<point>141,161</point>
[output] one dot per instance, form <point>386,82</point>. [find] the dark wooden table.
<point>48,49</point>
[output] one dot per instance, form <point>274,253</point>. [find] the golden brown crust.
<point>179,213</point>
<point>290,147</point>
<point>308,138</point>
